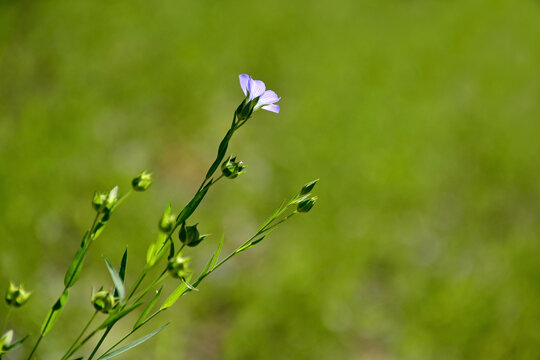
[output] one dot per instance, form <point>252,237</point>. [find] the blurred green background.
<point>420,117</point>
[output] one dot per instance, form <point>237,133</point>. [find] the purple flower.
<point>256,89</point>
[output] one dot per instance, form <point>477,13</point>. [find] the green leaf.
<point>117,280</point>
<point>123,265</point>
<point>54,313</point>
<point>192,205</point>
<point>117,316</point>
<point>218,251</point>
<point>189,286</point>
<point>207,267</point>
<point>221,153</point>
<point>148,309</point>
<point>254,242</point>
<point>273,216</point>
<point>16,343</point>
<point>74,270</point>
<point>131,345</point>
<point>175,295</point>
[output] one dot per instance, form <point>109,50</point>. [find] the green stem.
<point>68,352</point>
<point>137,284</point>
<point>100,342</point>
<point>6,319</point>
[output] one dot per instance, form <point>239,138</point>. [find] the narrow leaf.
<point>16,343</point>
<point>74,270</point>
<point>131,345</point>
<point>148,309</point>
<point>117,280</point>
<point>218,251</point>
<point>117,316</point>
<point>123,265</point>
<point>174,296</point>
<point>207,267</point>
<point>53,314</point>
<point>192,205</point>
<point>254,242</point>
<point>189,286</point>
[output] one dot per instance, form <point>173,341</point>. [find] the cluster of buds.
<point>306,202</point>
<point>104,301</point>
<point>179,267</point>
<point>16,296</point>
<point>232,168</point>
<point>104,202</point>
<point>189,235</point>
<point>142,182</point>
<point>167,221</point>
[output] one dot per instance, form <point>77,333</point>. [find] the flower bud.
<point>142,182</point>
<point>306,204</point>
<point>306,189</point>
<point>5,342</point>
<point>232,168</point>
<point>179,266</point>
<point>103,301</point>
<point>99,201</point>
<point>112,198</point>
<point>16,295</point>
<point>189,235</point>
<point>167,221</point>
<point>245,109</point>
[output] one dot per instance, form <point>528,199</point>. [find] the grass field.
<point>421,118</point>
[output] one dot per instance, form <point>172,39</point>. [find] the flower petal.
<point>256,88</point>
<point>269,97</point>
<point>244,80</point>
<point>273,108</point>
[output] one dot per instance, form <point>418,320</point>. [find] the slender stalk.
<point>68,352</point>
<point>100,342</point>
<point>6,320</point>
<point>137,284</point>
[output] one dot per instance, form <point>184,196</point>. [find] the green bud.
<point>179,266</point>
<point>99,201</point>
<point>142,182</point>
<point>306,204</point>
<point>306,189</point>
<point>232,168</point>
<point>190,236</point>
<point>112,198</point>
<point>245,109</point>
<point>104,301</point>
<point>167,221</point>
<point>16,295</point>
<point>5,342</point>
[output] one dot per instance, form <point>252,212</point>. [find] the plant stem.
<point>6,319</point>
<point>99,342</point>
<point>68,352</point>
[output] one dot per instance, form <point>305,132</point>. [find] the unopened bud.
<point>305,205</point>
<point>232,168</point>
<point>142,182</point>
<point>103,301</point>
<point>190,236</point>
<point>99,200</point>
<point>112,198</point>
<point>5,342</point>
<point>306,189</point>
<point>16,295</point>
<point>167,221</point>
<point>179,266</point>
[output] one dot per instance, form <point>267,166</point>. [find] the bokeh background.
<point>420,117</point>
